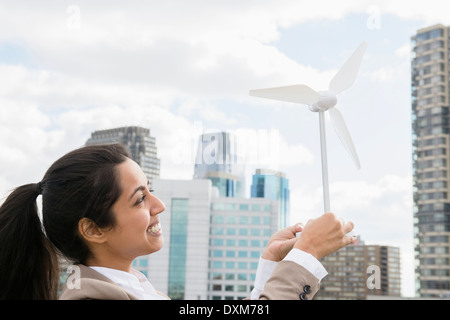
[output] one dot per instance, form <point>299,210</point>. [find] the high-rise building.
<point>217,160</point>
<point>272,185</point>
<point>139,143</point>
<point>359,271</point>
<point>212,244</point>
<point>431,159</point>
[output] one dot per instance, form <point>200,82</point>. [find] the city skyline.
<point>67,70</point>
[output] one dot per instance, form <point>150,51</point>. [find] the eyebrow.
<point>140,188</point>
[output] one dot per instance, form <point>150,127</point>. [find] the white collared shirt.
<point>135,282</point>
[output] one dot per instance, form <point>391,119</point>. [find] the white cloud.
<point>386,74</point>
<point>404,52</point>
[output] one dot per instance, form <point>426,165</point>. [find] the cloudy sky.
<point>182,68</point>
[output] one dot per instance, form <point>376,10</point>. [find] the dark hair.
<point>82,183</point>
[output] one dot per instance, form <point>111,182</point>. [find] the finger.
<point>349,240</point>
<point>348,226</point>
<point>298,227</point>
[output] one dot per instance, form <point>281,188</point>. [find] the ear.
<point>90,231</point>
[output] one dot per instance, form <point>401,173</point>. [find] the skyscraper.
<point>431,159</point>
<point>139,143</point>
<point>272,185</point>
<point>358,271</point>
<point>217,161</point>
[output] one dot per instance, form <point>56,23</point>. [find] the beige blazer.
<point>94,286</point>
<point>289,281</point>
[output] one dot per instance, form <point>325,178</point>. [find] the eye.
<point>140,199</point>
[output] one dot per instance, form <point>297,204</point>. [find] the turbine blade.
<point>342,132</point>
<point>346,76</point>
<point>297,93</point>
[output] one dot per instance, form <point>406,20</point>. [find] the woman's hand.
<point>324,235</point>
<point>281,243</point>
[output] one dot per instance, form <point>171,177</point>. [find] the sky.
<point>182,68</point>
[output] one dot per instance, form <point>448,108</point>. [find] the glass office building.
<point>431,141</point>
<point>272,185</point>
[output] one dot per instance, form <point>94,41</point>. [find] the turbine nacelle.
<point>327,100</point>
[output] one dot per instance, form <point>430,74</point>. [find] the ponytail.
<point>28,261</point>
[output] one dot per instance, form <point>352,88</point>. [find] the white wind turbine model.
<point>320,102</point>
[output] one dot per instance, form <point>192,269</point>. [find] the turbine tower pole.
<point>323,151</point>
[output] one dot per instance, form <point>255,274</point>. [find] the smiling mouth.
<point>154,229</point>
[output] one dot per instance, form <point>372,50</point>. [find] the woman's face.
<point>137,231</point>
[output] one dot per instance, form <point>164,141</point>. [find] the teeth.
<point>155,229</point>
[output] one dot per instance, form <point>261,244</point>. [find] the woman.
<point>98,212</point>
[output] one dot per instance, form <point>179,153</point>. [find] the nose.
<point>156,205</point>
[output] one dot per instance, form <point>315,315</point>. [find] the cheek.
<point>140,221</point>
<point>133,223</point>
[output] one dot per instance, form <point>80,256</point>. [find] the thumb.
<point>298,227</point>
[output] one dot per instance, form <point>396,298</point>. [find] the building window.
<point>229,287</point>
<point>256,220</point>
<point>217,253</point>
<point>243,207</point>
<point>243,220</point>
<point>230,254</point>
<point>242,265</point>
<point>243,232</point>
<point>231,242</point>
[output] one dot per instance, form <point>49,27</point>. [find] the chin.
<point>155,247</point>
